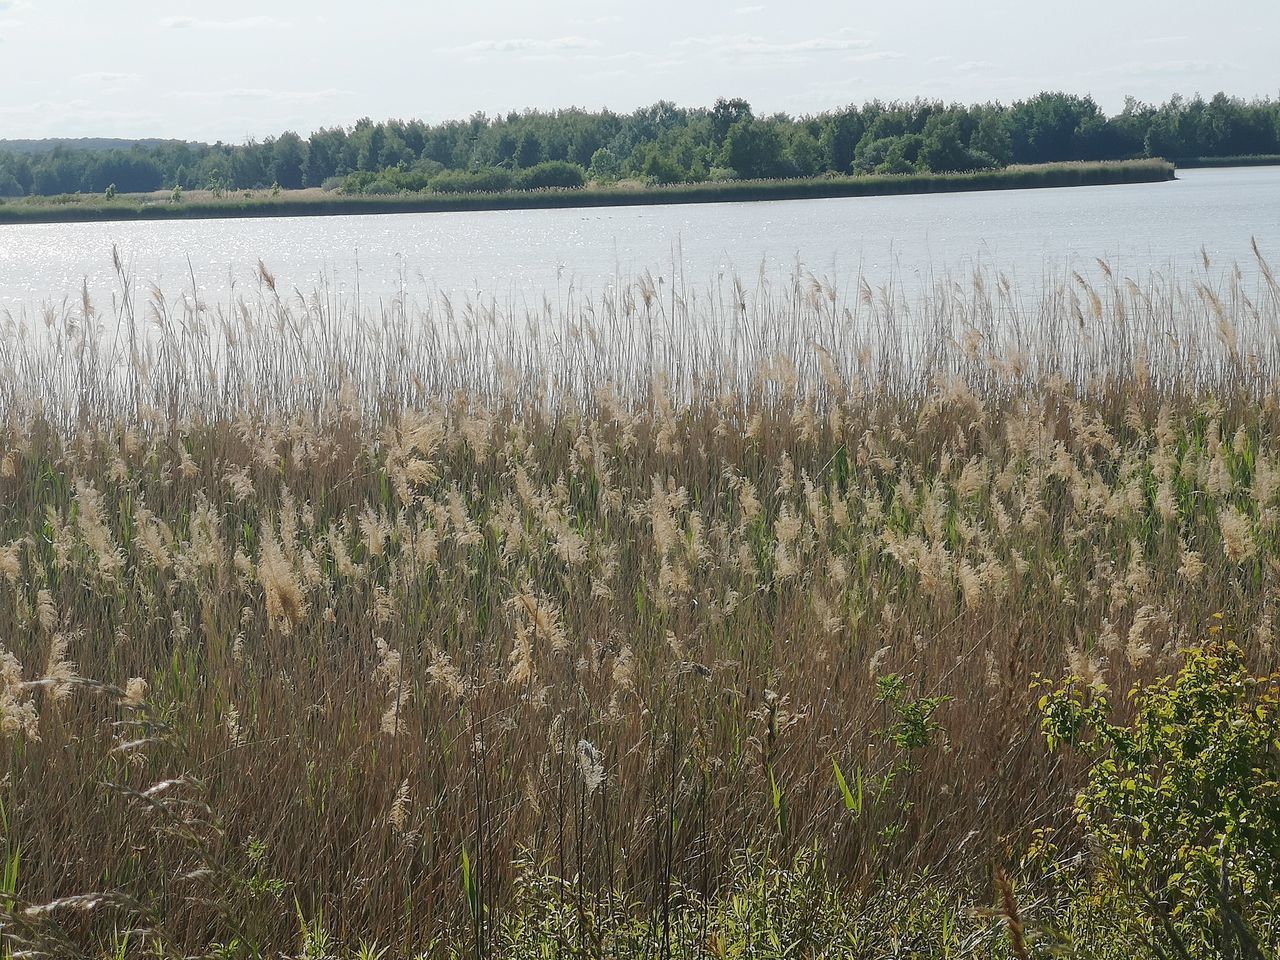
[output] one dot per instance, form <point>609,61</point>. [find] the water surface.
<point>518,254</point>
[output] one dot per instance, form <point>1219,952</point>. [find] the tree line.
<point>666,143</point>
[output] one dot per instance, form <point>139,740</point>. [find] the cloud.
<point>875,56</point>
<point>752,45</point>
<point>1167,68</point>
<point>747,11</point>
<point>975,66</point>
<point>106,76</point>
<point>523,45</point>
<point>1153,41</point>
<point>243,23</point>
<point>76,118</point>
<point>249,94</point>
<point>739,46</point>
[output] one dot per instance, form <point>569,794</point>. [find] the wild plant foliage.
<point>363,621</point>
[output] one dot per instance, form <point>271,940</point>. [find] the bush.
<point>658,167</point>
<point>484,180</point>
<point>1184,803</point>
<point>389,181</point>
<point>605,166</point>
<point>380,187</point>
<point>553,173</point>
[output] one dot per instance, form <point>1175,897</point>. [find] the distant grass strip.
<point>75,207</point>
<point>1253,160</point>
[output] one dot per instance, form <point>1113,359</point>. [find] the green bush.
<point>484,180</point>
<point>1183,803</point>
<point>553,173</point>
<point>390,181</point>
<point>605,166</point>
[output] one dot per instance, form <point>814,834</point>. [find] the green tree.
<point>755,149</point>
<point>725,115</point>
<point>661,167</point>
<point>528,150</point>
<point>943,148</point>
<point>840,135</point>
<point>992,137</point>
<point>804,154</point>
<point>288,161</point>
<point>605,166</point>
<point>1044,127</point>
<point>395,151</point>
<point>324,156</point>
<point>1164,138</point>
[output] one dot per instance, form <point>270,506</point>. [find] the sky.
<point>235,70</point>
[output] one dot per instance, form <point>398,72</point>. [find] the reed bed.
<point>591,629</point>
<point>201,204</point>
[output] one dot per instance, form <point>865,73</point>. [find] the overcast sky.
<point>234,70</point>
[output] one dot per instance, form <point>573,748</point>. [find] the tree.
<point>288,161</point>
<point>660,167</point>
<point>1044,127</point>
<point>804,154</point>
<point>755,149</point>
<point>248,168</point>
<point>605,166</point>
<point>839,139</point>
<point>903,155</point>
<point>1164,138</point>
<point>528,150</point>
<point>395,152</point>
<point>942,148</point>
<point>727,114</point>
<point>992,137</point>
<point>367,139</point>
<point>324,156</point>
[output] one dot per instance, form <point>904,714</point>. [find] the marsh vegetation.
<point>659,622</point>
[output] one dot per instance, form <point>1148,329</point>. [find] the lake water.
<point>518,254</point>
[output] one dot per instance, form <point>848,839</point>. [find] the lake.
<point>514,254</point>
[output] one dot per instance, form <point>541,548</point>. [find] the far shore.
<point>316,202</point>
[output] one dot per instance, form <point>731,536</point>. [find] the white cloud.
<point>524,45</point>
<point>750,45</point>
<point>243,23</point>
<point>106,76</point>
<point>875,56</point>
<point>975,66</point>
<point>77,118</point>
<point>260,93</point>
<point>747,11</point>
<point>1153,41</point>
<point>1167,68</point>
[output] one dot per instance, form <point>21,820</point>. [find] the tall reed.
<point>381,613</point>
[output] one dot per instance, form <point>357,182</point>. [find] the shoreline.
<point>77,209</point>
<point>1251,160</point>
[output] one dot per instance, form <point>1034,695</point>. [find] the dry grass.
<point>605,589</point>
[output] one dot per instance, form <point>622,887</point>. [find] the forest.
<point>663,143</point>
